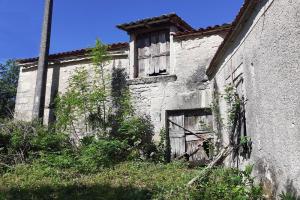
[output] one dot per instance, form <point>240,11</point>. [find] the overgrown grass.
<point>128,180</point>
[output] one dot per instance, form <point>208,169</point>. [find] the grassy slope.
<point>124,181</point>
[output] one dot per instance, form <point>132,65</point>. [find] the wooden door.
<point>177,136</point>
<point>187,134</point>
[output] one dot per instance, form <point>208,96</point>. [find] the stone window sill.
<point>153,79</point>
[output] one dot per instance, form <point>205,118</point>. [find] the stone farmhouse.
<point>175,71</point>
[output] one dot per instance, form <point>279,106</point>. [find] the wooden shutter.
<point>164,51</point>
<point>153,53</point>
<point>154,68</point>
<point>143,46</point>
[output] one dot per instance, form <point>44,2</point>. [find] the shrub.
<point>229,184</point>
<point>85,105</point>
<point>289,196</point>
<point>15,143</point>
<point>138,132</point>
<point>101,153</point>
<point>20,142</point>
<point>162,147</point>
<point>61,160</point>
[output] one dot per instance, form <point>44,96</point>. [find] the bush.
<point>229,184</point>
<point>101,153</point>
<point>138,132</point>
<point>60,160</point>
<point>289,196</point>
<point>21,142</point>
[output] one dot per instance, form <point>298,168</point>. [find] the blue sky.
<point>77,23</point>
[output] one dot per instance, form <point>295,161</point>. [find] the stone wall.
<point>265,54</point>
<point>183,87</point>
<point>25,94</point>
<point>57,82</point>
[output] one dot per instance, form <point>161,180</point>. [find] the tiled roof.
<point>78,52</point>
<point>247,7</point>
<point>170,18</point>
<point>204,31</point>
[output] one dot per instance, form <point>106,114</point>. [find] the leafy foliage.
<point>105,112</point>
<point>163,148</point>
<point>234,105</point>
<point>229,184</point>
<point>288,196</point>
<point>122,108</point>
<point>128,180</point>
<point>9,74</point>
<point>138,132</point>
<point>21,142</point>
<point>86,99</point>
<point>101,153</point>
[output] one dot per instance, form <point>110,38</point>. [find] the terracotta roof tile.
<point>78,52</point>
<point>172,18</point>
<point>204,31</point>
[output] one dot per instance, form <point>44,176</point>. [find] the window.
<point>153,53</point>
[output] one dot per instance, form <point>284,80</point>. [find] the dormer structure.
<point>151,48</point>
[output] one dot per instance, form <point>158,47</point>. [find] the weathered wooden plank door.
<point>192,122</point>
<point>177,136</point>
<point>186,132</point>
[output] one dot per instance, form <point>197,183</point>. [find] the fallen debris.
<point>221,156</point>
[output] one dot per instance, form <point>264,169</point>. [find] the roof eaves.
<point>172,17</point>
<point>203,31</point>
<point>78,52</point>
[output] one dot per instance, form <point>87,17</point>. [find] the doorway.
<point>189,134</point>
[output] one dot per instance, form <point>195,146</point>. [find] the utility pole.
<point>41,79</point>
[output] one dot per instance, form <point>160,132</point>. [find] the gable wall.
<point>266,54</point>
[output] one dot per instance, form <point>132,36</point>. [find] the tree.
<point>40,88</point>
<point>100,58</point>
<point>9,74</point>
<point>86,101</point>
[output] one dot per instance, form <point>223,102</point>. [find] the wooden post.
<point>172,58</point>
<point>133,70</point>
<point>41,79</point>
<point>168,145</point>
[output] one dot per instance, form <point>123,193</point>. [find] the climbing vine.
<point>235,121</point>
